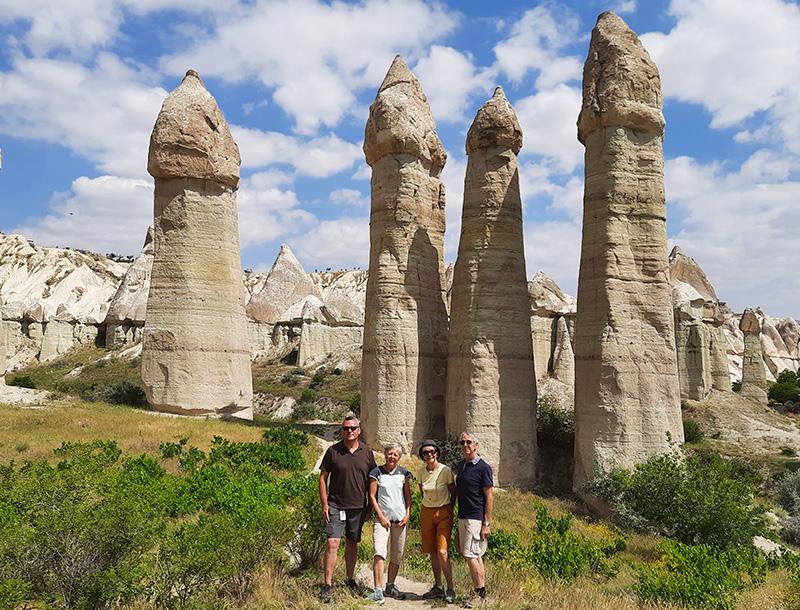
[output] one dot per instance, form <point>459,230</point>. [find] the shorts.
<point>469,538</point>
<point>436,527</point>
<point>350,526</point>
<point>382,537</point>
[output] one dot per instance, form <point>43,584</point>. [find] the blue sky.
<point>81,82</point>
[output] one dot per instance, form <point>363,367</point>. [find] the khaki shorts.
<point>469,538</point>
<point>436,527</point>
<point>393,539</point>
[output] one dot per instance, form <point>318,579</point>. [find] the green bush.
<point>505,546</point>
<point>788,376</point>
<point>789,451</point>
<point>560,554</point>
<point>692,432</point>
<point>700,576</point>
<point>102,530</point>
<point>698,500</point>
<point>123,393</point>
<point>308,395</point>
<point>22,381</point>
<point>553,424</point>
<point>354,404</point>
<point>784,392</point>
<point>736,386</point>
<point>787,491</point>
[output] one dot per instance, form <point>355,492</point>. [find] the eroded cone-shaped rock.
<point>195,352</point>
<point>627,394</point>
<point>126,312</point>
<point>3,351</point>
<point>405,325</point>
<point>754,376</point>
<point>563,356</point>
<point>491,387</point>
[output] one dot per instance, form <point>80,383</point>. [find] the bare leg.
<point>377,571</point>
<point>437,569</point>
<point>330,559</point>
<point>394,568</point>
<point>350,557</point>
<point>476,571</point>
<point>446,566</point>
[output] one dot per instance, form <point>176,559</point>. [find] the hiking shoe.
<point>436,592</point>
<point>450,596</point>
<point>353,586</point>
<point>393,591</point>
<point>326,594</point>
<point>376,596</point>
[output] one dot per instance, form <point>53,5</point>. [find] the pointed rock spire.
<point>495,126</point>
<point>621,84</point>
<point>400,121</point>
<point>191,138</point>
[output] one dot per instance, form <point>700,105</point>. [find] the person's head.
<point>392,452</point>
<point>469,445</point>
<point>351,428</point>
<point>429,451</point>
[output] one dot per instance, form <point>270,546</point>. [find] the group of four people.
<point>352,486</point>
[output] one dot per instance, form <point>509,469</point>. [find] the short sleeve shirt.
<point>390,495</point>
<point>348,474</point>
<point>435,492</point>
<point>471,480</point>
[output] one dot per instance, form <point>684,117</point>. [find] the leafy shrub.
<point>308,395</point>
<point>318,380</point>
<point>354,404</point>
<point>554,425</point>
<point>736,386</point>
<point>788,492</point>
<point>692,432</point>
<point>698,500</point>
<point>560,554</point>
<point>22,381</point>
<point>700,576</point>
<point>784,392</point>
<point>309,538</point>
<point>789,451</point>
<point>122,393</point>
<point>505,546</point>
<point>790,529</point>
<point>788,376</point>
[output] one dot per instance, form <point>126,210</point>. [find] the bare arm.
<point>452,489</point>
<point>407,497</point>
<point>323,494</point>
<point>487,513</point>
<point>373,499</point>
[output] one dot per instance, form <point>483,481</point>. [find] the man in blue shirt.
<point>475,501</point>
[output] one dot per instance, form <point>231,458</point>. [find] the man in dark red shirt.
<point>343,485</point>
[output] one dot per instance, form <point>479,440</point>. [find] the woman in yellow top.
<point>436,520</point>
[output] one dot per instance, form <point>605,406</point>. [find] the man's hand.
<point>403,521</point>
<point>326,515</point>
<point>384,521</point>
<point>486,531</point>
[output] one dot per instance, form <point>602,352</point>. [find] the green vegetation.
<point>692,432</point>
<point>786,389</point>
<point>701,499</point>
<point>100,528</point>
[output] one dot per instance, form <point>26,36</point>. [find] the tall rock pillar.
<point>3,352</point>
<point>627,393</point>
<point>195,351</point>
<point>491,387</point>
<point>754,373</point>
<point>405,324</point>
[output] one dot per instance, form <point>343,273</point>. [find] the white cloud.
<point>453,177</point>
<point>104,111</point>
<point>318,157</point>
<point>548,120</point>
<point>343,242</point>
<point>448,78</point>
<point>624,6</point>
<point>741,226</point>
<point>555,248</point>
<point>105,214</point>
<point>736,58</point>
<point>536,42</point>
<point>314,54</point>
<point>268,213</point>
<point>349,197</point>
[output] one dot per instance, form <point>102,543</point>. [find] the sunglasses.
<point>430,452</point>
<point>350,428</point>
<point>464,443</point>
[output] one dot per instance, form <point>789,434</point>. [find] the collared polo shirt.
<point>471,480</point>
<point>349,472</point>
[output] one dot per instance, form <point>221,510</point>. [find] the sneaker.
<point>326,594</point>
<point>376,596</point>
<point>436,592</point>
<point>450,596</point>
<point>393,591</point>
